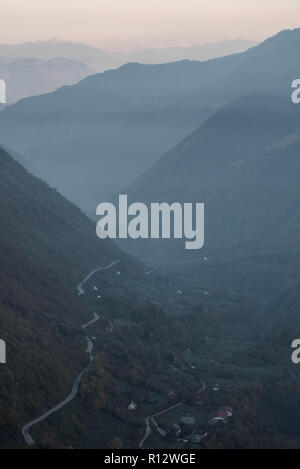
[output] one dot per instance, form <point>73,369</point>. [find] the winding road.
<point>80,288</point>
<point>151,418</point>
<point>75,388</point>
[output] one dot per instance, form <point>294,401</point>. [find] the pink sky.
<point>125,24</point>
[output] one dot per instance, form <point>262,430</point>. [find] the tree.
<point>116,443</point>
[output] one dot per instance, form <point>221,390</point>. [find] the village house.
<point>221,415</point>
<point>218,416</point>
<point>228,411</point>
<point>188,419</point>
<point>132,406</point>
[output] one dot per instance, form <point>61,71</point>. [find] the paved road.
<point>147,433</point>
<point>203,388</point>
<point>90,346</point>
<point>151,418</point>
<point>96,317</point>
<point>80,288</point>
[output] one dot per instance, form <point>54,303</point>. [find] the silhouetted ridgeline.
<point>92,139</point>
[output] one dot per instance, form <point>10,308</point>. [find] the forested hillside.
<point>46,227</point>
<point>46,247</point>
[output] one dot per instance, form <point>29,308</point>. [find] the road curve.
<point>80,288</point>
<point>96,317</point>
<point>75,388</point>
<point>151,418</point>
<point>26,430</point>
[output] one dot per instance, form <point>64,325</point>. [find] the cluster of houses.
<point>185,431</point>
<point>222,415</point>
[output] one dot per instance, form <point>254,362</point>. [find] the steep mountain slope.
<point>67,242</point>
<point>32,77</point>
<point>102,133</point>
<point>243,164</point>
<point>39,321</point>
<point>230,137</point>
<point>70,137</point>
<point>46,246</point>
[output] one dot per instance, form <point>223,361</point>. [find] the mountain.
<point>99,61</point>
<point>32,77</point>
<point>140,351</point>
<point>196,52</point>
<point>48,50</point>
<point>100,134</point>
<point>285,309</point>
<point>46,247</point>
<point>228,139</point>
<point>70,137</point>
<point>243,164</point>
<point>59,226</point>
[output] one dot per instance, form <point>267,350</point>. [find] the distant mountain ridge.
<point>99,60</point>
<point>196,52</point>
<point>31,77</point>
<point>102,133</point>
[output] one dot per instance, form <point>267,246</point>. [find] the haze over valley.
<point>136,342</point>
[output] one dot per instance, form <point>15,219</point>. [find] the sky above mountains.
<point>127,24</point>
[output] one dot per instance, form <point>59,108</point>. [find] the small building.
<point>228,411</point>
<point>188,419</point>
<point>132,406</point>
<point>218,416</point>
